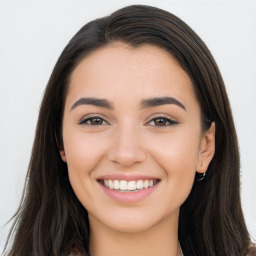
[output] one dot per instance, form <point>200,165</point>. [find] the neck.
<point>160,239</point>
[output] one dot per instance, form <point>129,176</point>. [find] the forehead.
<point>121,71</point>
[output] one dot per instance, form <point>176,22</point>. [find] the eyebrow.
<point>145,103</point>
<point>93,101</point>
<point>153,102</point>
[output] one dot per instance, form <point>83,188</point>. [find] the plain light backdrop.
<point>32,36</point>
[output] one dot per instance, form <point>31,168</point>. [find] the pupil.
<point>96,121</point>
<point>160,121</point>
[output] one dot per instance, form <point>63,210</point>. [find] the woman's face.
<point>132,136</point>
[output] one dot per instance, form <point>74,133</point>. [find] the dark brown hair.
<point>51,220</point>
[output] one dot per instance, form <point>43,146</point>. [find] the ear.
<point>63,155</point>
<point>207,149</point>
<point>61,149</point>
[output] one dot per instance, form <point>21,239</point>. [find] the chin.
<point>135,221</point>
<point>131,228</point>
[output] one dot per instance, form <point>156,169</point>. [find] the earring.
<point>200,176</point>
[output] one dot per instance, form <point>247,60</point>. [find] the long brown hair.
<point>51,220</point>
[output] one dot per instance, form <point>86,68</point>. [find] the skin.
<point>131,140</point>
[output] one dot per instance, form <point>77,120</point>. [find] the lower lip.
<point>129,197</point>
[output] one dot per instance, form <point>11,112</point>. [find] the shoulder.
<point>251,251</point>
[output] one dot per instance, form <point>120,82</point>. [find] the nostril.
<point>127,157</point>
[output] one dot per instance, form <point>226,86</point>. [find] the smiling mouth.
<point>128,186</point>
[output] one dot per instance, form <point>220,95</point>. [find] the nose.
<point>127,148</point>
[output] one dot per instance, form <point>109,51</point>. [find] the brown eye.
<point>96,121</point>
<point>162,122</point>
<point>93,121</point>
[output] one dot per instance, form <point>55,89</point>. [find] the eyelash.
<point>90,119</point>
<point>163,118</point>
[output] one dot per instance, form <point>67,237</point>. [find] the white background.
<point>33,34</point>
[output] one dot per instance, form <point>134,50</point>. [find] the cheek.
<point>177,154</point>
<point>179,150</point>
<point>83,153</point>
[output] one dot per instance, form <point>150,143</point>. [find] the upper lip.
<point>127,177</point>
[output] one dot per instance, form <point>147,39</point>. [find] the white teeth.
<point>126,186</point>
<point>139,184</point>
<point>145,184</point>
<point>110,184</point>
<point>132,185</point>
<point>116,184</point>
<point>123,185</point>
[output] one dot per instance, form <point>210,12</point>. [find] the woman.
<point>135,151</point>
